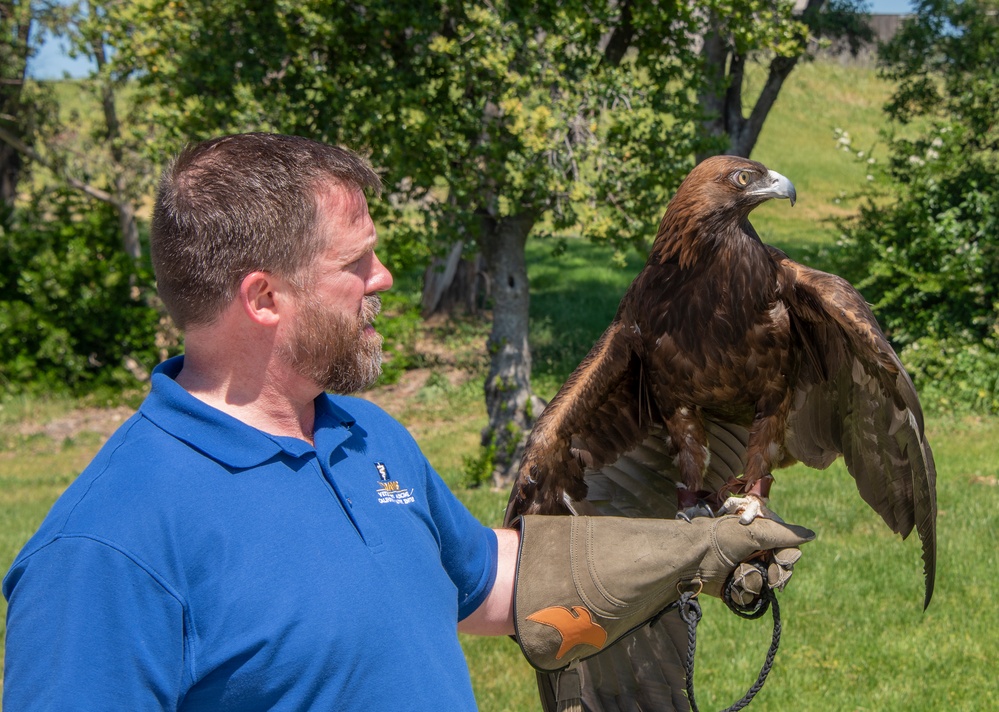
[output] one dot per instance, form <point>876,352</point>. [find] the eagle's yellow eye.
<point>743,177</point>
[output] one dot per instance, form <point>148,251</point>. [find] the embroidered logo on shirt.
<point>389,491</point>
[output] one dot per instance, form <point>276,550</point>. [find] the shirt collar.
<point>224,438</point>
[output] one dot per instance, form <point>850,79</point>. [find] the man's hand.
<point>732,542</point>
<point>747,581</point>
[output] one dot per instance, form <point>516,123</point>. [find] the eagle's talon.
<point>699,509</point>
<point>749,508</point>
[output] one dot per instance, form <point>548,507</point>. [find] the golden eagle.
<point>725,360</point>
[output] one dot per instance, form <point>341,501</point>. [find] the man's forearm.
<point>495,615</point>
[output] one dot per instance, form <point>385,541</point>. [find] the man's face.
<point>332,342</point>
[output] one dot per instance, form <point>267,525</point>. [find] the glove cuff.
<point>583,583</point>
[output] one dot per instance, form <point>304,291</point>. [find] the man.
<point>246,541</point>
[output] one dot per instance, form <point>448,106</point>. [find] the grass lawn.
<point>855,637</point>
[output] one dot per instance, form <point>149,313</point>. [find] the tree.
<point>104,165</point>
<point>70,318</point>
<point>16,106</point>
<point>78,313</point>
<point>730,35</point>
<point>656,48</point>
<point>500,120</point>
<point>126,186</point>
<point>925,246</point>
<point>742,31</point>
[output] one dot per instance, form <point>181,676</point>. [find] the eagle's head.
<point>716,197</point>
<point>732,184</point>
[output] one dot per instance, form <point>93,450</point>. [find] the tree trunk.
<point>714,53</point>
<point>127,224</point>
<point>509,401</point>
<point>722,96</point>
<point>722,99</point>
<point>10,171</point>
<point>15,28</point>
<point>744,132</point>
<point>452,283</point>
<point>616,42</point>
<point>126,212</point>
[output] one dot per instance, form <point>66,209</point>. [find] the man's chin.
<point>357,380</point>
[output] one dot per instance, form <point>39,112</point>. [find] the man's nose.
<point>380,279</point>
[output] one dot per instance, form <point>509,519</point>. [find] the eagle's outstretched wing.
<point>596,415</point>
<point>854,398</point>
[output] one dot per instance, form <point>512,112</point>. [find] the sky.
<point>52,61</point>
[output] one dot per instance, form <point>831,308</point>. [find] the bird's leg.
<point>762,453</point>
<point>689,443</point>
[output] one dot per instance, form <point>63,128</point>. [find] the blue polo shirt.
<point>201,564</point>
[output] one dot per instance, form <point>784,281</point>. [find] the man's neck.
<point>263,396</point>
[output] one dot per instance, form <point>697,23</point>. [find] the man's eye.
<point>357,264</point>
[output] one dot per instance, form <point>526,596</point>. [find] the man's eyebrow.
<point>361,249</point>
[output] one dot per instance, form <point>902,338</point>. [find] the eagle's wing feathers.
<point>643,671</point>
<point>597,414</point>
<point>854,397</point>
<point>596,450</point>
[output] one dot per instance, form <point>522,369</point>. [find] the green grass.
<point>34,470</point>
<point>855,637</point>
<point>573,298</point>
<point>799,140</point>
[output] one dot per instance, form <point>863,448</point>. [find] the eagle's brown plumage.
<point>725,360</point>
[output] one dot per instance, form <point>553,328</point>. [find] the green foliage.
<point>842,21</point>
<point>478,468</point>
<point>472,109</point>
<point>758,25</point>
<point>955,374</point>
<point>72,309</point>
<point>25,108</point>
<point>932,256</point>
<point>925,247</point>
<point>400,330</point>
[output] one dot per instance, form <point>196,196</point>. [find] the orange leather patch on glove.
<point>576,627</point>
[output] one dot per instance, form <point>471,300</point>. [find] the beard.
<point>334,350</point>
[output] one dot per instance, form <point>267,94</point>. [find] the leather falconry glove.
<point>747,581</point>
<point>584,582</point>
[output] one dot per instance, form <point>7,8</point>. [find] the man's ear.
<point>259,297</point>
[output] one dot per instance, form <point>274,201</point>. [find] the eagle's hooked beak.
<point>775,186</point>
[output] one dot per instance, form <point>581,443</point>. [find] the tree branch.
<point>619,39</point>
<point>26,150</point>
<point>780,68</point>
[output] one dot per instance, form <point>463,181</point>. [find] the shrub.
<point>925,248</point>
<point>73,310</point>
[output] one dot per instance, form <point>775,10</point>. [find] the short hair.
<point>237,204</point>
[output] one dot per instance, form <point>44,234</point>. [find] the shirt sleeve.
<point>89,628</point>
<point>468,548</point>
